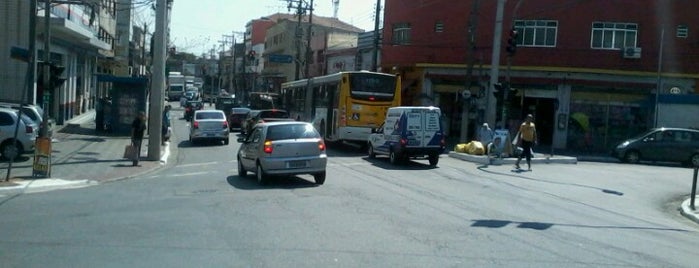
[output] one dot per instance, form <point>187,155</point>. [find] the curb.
<point>686,211</point>
<point>485,160</point>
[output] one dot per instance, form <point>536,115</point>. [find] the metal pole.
<point>660,69</point>
<point>375,55</point>
<point>43,129</point>
<point>495,64</point>
<point>158,84</point>
<point>465,106</point>
<point>32,53</point>
<point>694,189</point>
<point>309,51</point>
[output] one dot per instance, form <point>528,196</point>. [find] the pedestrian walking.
<point>527,138</point>
<point>138,127</point>
<point>166,124</point>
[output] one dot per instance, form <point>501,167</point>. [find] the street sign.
<point>280,58</point>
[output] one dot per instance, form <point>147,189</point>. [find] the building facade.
<point>591,72</point>
<point>82,35</point>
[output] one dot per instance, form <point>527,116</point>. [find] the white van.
<point>409,132</point>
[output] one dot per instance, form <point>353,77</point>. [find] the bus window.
<point>372,87</point>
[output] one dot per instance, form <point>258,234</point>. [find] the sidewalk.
<point>81,156</point>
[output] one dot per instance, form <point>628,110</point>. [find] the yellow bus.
<point>344,106</point>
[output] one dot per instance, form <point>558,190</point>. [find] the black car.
<point>190,106</point>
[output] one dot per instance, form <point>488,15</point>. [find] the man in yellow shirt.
<point>527,138</point>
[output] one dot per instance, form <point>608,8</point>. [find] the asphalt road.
<point>199,213</point>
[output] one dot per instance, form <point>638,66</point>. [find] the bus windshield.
<point>264,100</point>
<point>372,87</point>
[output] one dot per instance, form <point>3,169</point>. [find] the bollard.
<point>694,189</point>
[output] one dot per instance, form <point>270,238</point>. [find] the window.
<point>536,33</point>
<point>439,27</point>
<point>682,31</point>
<point>401,33</point>
<point>609,35</point>
<point>6,119</point>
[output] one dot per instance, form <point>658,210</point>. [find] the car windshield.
<point>291,131</point>
<point>209,115</point>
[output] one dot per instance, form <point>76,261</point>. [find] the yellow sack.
<point>476,148</point>
<point>460,148</point>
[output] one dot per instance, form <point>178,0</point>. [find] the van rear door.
<point>414,127</point>
<point>432,128</point>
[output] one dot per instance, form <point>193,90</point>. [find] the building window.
<point>401,33</point>
<point>682,31</point>
<point>439,27</point>
<point>536,33</point>
<point>610,35</point>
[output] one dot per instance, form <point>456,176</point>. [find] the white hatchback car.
<point>209,125</point>
<point>26,134</point>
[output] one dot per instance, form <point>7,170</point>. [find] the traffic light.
<point>55,73</point>
<point>512,43</point>
<point>251,56</point>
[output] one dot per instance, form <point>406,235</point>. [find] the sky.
<point>198,25</point>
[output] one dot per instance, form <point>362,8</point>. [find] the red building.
<point>587,70</point>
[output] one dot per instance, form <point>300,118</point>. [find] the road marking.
<point>199,164</point>
<point>187,174</point>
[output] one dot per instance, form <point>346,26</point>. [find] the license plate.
<point>296,164</point>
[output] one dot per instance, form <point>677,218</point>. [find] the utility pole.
<point>231,77</point>
<point>466,102</point>
<point>43,129</point>
<point>309,52</point>
<point>375,54</point>
<point>491,104</point>
<point>158,84</point>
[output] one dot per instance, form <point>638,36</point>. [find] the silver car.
<point>209,125</point>
<point>284,149</point>
<point>26,135</point>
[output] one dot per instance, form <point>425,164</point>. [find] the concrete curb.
<point>482,159</point>
<point>688,212</point>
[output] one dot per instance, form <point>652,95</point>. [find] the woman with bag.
<point>138,128</point>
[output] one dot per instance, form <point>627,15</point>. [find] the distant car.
<point>26,136</point>
<point>282,149</point>
<point>236,118</point>
<point>190,107</point>
<point>661,144</point>
<point>266,116</point>
<point>209,125</point>
<point>191,95</point>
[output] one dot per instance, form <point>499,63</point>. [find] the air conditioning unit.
<point>631,52</point>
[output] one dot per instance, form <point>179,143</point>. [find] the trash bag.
<point>460,148</point>
<point>476,148</point>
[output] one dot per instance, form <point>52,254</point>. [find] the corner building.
<point>587,70</point>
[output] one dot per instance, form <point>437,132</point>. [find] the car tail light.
<point>225,124</point>
<point>268,147</point>
<point>442,142</point>
<point>29,129</point>
<point>321,146</point>
<point>403,142</point>
<point>195,124</point>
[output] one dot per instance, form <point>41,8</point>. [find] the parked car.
<point>282,149</point>
<point>661,144</point>
<point>269,115</point>
<point>209,125</point>
<point>34,112</point>
<point>26,135</point>
<point>236,118</point>
<point>190,106</point>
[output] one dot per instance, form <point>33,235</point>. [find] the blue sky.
<point>198,25</point>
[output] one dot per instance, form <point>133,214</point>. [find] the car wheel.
<point>241,169</point>
<point>9,151</point>
<point>260,174</point>
<point>632,157</point>
<point>694,160</point>
<point>434,159</point>
<point>225,141</point>
<point>319,178</point>
<point>372,154</point>
<point>393,158</point>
